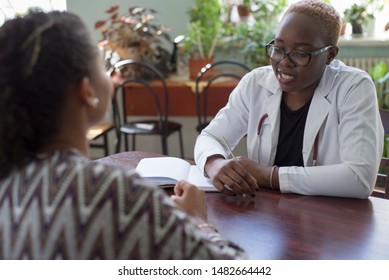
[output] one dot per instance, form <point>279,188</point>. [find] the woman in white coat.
<point>312,123</point>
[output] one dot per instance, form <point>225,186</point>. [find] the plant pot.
<point>356,29</point>
<point>128,53</point>
<point>243,12</point>
<point>342,30</point>
<point>196,64</point>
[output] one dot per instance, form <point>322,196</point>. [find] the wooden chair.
<point>227,69</point>
<point>385,120</point>
<point>381,188</point>
<point>98,134</point>
<point>160,124</point>
<point>98,131</point>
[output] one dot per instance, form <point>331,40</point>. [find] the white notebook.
<point>167,171</point>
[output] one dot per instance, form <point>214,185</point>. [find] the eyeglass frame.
<point>310,54</point>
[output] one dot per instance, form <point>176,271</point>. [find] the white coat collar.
<point>317,113</point>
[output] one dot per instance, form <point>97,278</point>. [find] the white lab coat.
<point>343,113</point>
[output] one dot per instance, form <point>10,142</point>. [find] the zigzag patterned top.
<point>63,206</point>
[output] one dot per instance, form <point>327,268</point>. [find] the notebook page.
<point>163,170</point>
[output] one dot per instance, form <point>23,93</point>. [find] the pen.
<point>223,143</point>
<point>229,148</point>
<point>233,156</point>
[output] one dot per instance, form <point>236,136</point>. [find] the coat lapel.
<point>318,112</point>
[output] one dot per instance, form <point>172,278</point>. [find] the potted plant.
<point>244,9</point>
<point>136,35</point>
<point>380,75</point>
<point>357,15</point>
<point>252,38</point>
<point>204,33</point>
<point>268,9</point>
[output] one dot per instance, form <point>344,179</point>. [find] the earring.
<point>94,101</point>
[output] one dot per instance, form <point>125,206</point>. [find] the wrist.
<point>208,227</point>
<point>205,226</point>
<point>273,178</point>
<point>210,163</point>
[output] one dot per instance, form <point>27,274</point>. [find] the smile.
<point>285,77</point>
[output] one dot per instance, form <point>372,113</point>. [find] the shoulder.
<point>261,74</point>
<point>341,80</point>
<point>338,70</point>
<point>69,172</point>
<point>259,79</point>
<point>125,182</point>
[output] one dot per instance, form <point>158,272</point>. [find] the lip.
<point>285,77</point>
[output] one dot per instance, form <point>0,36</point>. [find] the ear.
<point>86,93</point>
<point>332,53</point>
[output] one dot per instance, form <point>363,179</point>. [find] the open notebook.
<point>167,171</point>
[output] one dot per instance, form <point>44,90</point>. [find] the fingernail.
<point>257,189</point>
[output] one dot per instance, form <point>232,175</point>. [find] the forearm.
<point>332,180</point>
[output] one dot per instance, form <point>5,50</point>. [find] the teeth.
<point>285,76</point>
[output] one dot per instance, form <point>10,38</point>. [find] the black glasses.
<point>298,58</point>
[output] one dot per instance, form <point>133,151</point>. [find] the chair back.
<point>382,184</point>
<point>116,120</point>
<point>129,77</point>
<point>381,188</point>
<point>132,73</point>
<point>209,74</point>
<point>385,120</point>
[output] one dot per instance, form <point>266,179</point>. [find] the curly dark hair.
<point>41,56</point>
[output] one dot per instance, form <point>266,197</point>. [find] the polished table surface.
<point>290,226</point>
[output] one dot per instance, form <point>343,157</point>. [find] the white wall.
<point>169,12</point>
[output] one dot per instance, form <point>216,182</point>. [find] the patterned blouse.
<point>63,206</point>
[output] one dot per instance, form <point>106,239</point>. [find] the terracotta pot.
<point>133,70</point>
<point>342,30</point>
<point>243,11</point>
<point>195,65</point>
<point>128,53</point>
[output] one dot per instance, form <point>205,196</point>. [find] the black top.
<point>290,140</point>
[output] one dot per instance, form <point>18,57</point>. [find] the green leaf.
<point>378,71</point>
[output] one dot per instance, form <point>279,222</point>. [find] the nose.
<point>286,61</point>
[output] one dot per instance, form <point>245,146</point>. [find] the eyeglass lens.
<point>297,58</point>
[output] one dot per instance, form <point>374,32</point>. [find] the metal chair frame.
<point>202,97</point>
<point>163,126</point>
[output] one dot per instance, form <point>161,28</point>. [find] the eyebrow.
<point>297,44</point>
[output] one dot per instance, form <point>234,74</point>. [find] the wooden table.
<point>290,226</point>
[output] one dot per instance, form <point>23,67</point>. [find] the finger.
<point>180,187</point>
<point>244,179</point>
<point>228,186</point>
<point>234,181</point>
<point>223,188</point>
<point>178,191</point>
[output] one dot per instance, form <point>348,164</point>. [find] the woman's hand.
<point>261,173</point>
<point>230,176</point>
<point>190,199</point>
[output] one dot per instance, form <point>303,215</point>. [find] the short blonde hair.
<point>323,14</point>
